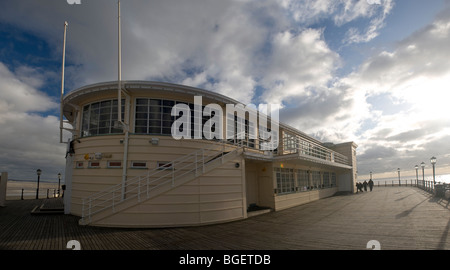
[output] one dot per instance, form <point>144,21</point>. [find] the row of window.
<point>95,164</point>
<point>154,117</point>
<point>291,180</point>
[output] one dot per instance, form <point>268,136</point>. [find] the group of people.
<point>360,186</point>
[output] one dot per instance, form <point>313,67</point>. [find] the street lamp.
<point>398,170</point>
<point>433,162</point>
<point>417,174</point>
<point>423,173</point>
<point>38,172</point>
<point>59,182</point>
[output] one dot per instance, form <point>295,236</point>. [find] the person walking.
<point>359,187</point>
<point>365,185</point>
<point>370,184</point>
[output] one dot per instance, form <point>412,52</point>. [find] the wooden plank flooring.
<point>400,218</point>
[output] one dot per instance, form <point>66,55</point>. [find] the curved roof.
<point>75,97</point>
<point>95,89</point>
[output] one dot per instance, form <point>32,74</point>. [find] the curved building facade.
<point>125,167</point>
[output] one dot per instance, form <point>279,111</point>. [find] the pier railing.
<point>427,185</point>
<point>29,193</point>
<point>395,183</point>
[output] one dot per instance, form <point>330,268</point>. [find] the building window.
<point>326,180</point>
<point>153,116</point>
<point>101,118</point>
<point>94,164</point>
<point>114,164</point>
<point>164,165</point>
<point>290,143</point>
<point>316,181</point>
<point>272,143</point>
<point>285,180</point>
<point>138,164</point>
<point>333,180</point>
<point>302,180</point>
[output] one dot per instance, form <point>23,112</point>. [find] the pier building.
<point>125,169</point>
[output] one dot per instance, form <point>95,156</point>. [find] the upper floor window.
<point>154,116</point>
<point>101,118</point>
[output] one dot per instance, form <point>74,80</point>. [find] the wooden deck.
<point>399,218</point>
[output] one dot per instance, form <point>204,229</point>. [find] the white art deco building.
<point>125,169</point>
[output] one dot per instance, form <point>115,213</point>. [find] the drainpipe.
<point>125,146</point>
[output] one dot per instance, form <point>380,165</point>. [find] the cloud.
<point>395,105</point>
<point>377,11</point>
<point>299,65</point>
<point>29,138</point>
<point>18,92</point>
<point>342,12</point>
<point>252,51</point>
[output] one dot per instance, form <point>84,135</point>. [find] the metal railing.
<point>433,187</point>
<point>395,183</point>
<point>293,144</point>
<point>30,193</point>
<point>145,186</point>
<point>436,188</point>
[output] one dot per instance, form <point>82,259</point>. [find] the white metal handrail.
<point>298,145</point>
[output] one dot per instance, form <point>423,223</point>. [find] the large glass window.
<point>101,118</point>
<point>333,179</point>
<point>326,180</point>
<point>302,180</point>
<point>290,143</point>
<point>154,116</point>
<point>285,180</point>
<point>316,181</point>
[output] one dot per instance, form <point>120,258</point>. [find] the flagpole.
<point>61,114</point>
<point>119,80</point>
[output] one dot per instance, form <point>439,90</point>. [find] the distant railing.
<point>395,183</point>
<point>427,185</point>
<point>25,194</point>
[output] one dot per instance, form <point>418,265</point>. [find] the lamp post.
<point>38,172</point>
<point>433,162</point>
<point>423,173</point>
<point>417,174</point>
<point>59,182</point>
<point>398,170</point>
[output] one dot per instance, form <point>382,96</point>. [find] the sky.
<point>375,72</point>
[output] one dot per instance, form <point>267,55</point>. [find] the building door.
<point>252,188</point>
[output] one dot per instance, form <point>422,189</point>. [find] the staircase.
<point>156,182</point>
